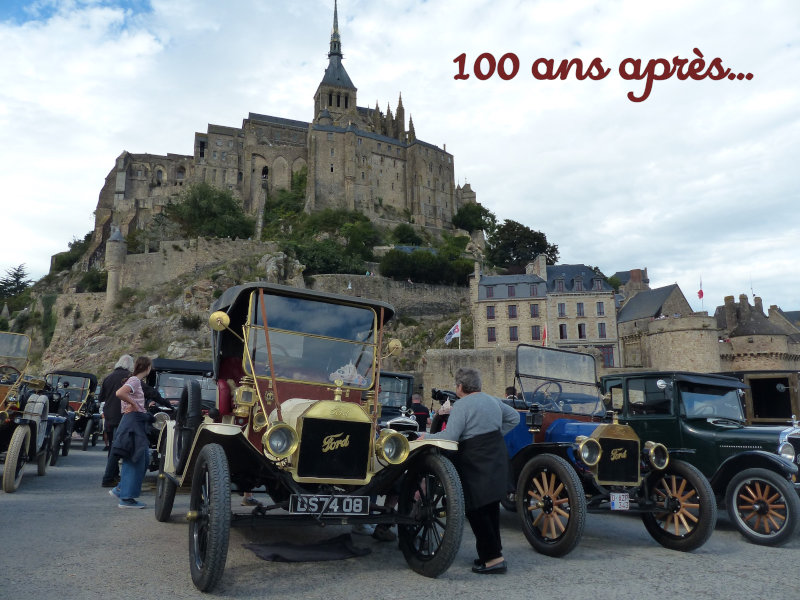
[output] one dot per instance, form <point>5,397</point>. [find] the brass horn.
<point>259,421</point>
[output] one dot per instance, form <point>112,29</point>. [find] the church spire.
<point>336,41</point>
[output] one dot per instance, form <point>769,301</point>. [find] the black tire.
<point>431,490</point>
<point>510,502</point>
<point>187,420</point>
<point>67,444</point>
<point>16,457</point>
<point>551,505</point>
<point>58,439</point>
<point>209,529</point>
<point>763,506</point>
<point>87,433</point>
<point>165,492</point>
<point>42,458</point>
<point>690,508</point>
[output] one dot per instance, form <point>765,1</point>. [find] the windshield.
<point>395,391</point>
<point>704,401</point>
<point>14,350</point>
<point>170,386</point>
<point>313,341</point>
<point>79,386</point>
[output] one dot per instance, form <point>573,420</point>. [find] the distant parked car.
<point>77,392</point>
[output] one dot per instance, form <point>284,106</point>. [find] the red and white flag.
<point>455,332</point>
<point>700,291</point>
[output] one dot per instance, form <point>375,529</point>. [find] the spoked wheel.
<point>432,494</point>
<point>87,433</point>
<point>763,506</point>
<point>551,505</point>
<point>687,511</point>
<point>165,491</point>
<point>58,439</point>
<point>210,515</point>
<point>16,457</point>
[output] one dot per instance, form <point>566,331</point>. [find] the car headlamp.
<point>589,450</point>
<point>392,447</point>
<point>786,450</point>
<point>657,454</point>
<point>280,440</point>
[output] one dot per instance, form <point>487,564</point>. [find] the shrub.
<point>192,322</point>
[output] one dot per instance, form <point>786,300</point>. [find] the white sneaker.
<point>363,529</point>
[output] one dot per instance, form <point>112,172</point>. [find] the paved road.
<point>63,537</point>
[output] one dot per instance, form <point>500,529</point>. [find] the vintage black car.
<point>570,457</point>
<point>770,397</point>
<point>25,423</point>
<point>753,469</point>
<point>297,376</point>
<point>394,397</point>
<point>76,391</point>
<point>169,377</point>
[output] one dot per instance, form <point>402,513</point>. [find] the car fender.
<point>444,445</point>
<point>521,458</point>
<point>752,459</point>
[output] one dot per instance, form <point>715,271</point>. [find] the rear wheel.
<point>165,492</point>
<point>763,506</point>
<point>58,439</point>
<point>87,433</point>
<point>687,511</point>
<point>186,422</point>
<point>65,446</point>
<point>551,505</point>
<point>432,493</point>
<point>210,514</point>
<point>16,457</point>
<point>42,459</point>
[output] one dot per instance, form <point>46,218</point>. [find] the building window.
<point>560,285</point>
<point>513,336</point>
<point>180,174</point>
<point>562,331</point>
<point>601,330</point>
<point>330,137</point>
<point>534,311</point>
<point>598,284</point>
<point>534,289</point>
<point>512,311</point>
<point>608,355</point>
<point>359,141</point>
<point>580,309</point>
<point>265,173</point>
<point>578,285</point>
<point>379,145</point>
<point>331,151</point>
<point>331,167</point>
<point>202,149</point>
<point>490,312</point>
<point>490,334</point>
<point>582,331</point>
<point>562,309</point>
<point>601,310</point>
<point>512,291</point>
<point>490,292</point>
<point>536,332</point>
<point>330,99</point>
<point>214,154</point>
<point>159,177</point>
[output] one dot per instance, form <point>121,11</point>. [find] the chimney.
<point>730,313</point>
<point>758,305</point>
<point>636,276</point>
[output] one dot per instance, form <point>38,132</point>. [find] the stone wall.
<point>177,258</point>
<point>683,344</point>
<point>760,352</point>
<point>496,365</point>
<point>408,299</point>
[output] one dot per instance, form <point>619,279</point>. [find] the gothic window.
<point>330,99</point>
<point>265,173</point>
<point>159,176</point>
<point>338,100</point>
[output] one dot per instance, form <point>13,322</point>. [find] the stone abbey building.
<point>357,158</point>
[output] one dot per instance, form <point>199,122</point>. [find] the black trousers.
<point>111,473</point>
<point>485,523</point>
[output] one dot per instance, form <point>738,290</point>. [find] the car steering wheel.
<point>6,370</point>
<point>550,396</point>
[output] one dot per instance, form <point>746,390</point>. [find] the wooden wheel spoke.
<point>688,505</point>
<point>557,492</point>
<point>776,515</point>
<point>561,512</point>
<point>534,495</point>
<point>686,513</point>
<point>682,488</point>
<point>553,534</point>
<point>562,528</point>
<point>540,517</point>
<point>686,525</point>
<point>775,525</point>
<point>774,497</point>
<point>749,499</point>
<point>750,516</point>
<point>539,488</point>
<point>560,501</point>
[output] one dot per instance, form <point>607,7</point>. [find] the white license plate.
<point>305,504</point>
<point>620,501</point>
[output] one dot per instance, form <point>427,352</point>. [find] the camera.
<point>443,396</point>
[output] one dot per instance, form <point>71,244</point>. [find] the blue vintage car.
<point>569,456</point>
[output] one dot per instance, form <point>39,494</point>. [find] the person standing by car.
<point>421,413</point>
<point>112,412</point>
<point>478,422</point>
<point>130,442</point>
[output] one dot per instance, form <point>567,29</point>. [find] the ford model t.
<point>753,469</point>
<point>297,412</point>
<point>569,457</point>
<point>25,427</point>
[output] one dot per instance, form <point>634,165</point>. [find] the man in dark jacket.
<point>112,412</point>
<point>421,412</point>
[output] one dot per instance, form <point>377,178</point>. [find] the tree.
<point>64,260</point>
<point>14,283</point>
<point>514,244</point>
<point>473,217</point>
<point>207,211</point>
<point>405,234</point>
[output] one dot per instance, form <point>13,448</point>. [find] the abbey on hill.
<point>357,158</point>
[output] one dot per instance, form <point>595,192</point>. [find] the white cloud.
<point>698,180</point>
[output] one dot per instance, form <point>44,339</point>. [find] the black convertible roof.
<point>194,367</point>
<point>92,378</point>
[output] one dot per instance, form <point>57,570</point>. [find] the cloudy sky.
<point>697,181</point>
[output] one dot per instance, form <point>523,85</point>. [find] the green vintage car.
<point>753,470</point>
